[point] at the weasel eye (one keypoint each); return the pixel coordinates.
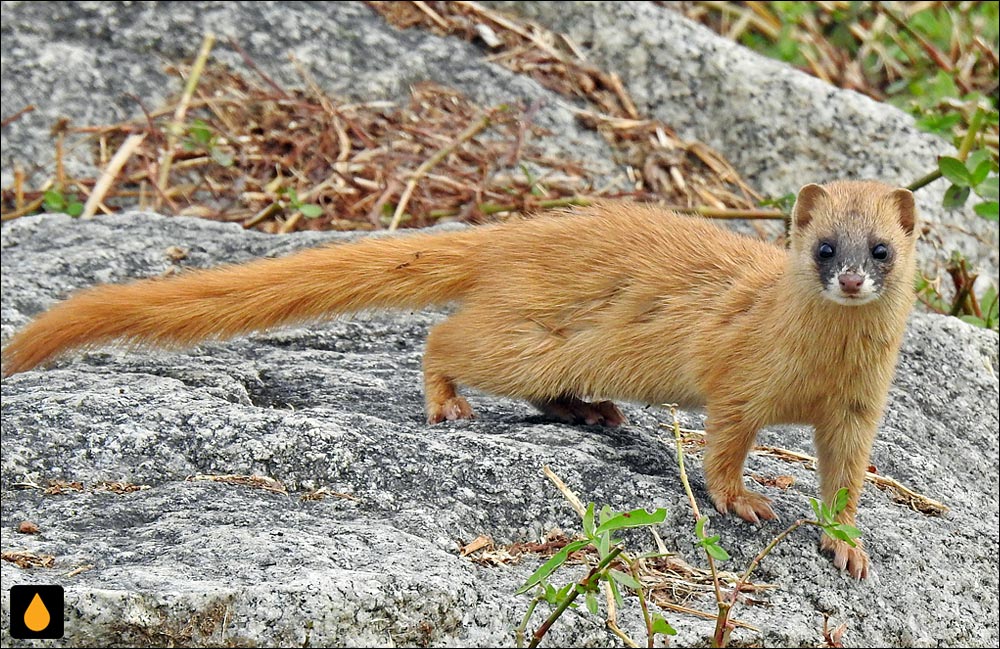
(880, 252)
(825, 251)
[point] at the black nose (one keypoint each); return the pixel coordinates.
(850, 283)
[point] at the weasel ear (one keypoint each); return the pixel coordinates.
(902, 200)
(805, 204)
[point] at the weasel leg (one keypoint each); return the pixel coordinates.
(440, 391)
(576, 411)
(843, 446)
(730, 437)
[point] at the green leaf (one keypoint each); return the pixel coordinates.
(717, 552)
(989, 188)
(549, 566)
(709, 540)
(588, 521)
(849, 530)
(550, 594)
(954, 197)
(816, 509)
(311, 211)
(200, 132)
(626, 579)
(606, 514)
(634, 518)
(826, 512)
(604, 544)
(221, 158)
(616, 593)
(989, 210)
(75, 208)
(843, 532)
(979, 173)
(840, 501)
(53, 201)
(563, 592)
(663, 627)
(940, 124)
(955, 170)
(990, 303)
(591, 600)
(699, 527)
(976, 158)
(974, 320)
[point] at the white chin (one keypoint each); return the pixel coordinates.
(849, 300)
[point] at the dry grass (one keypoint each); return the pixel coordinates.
(234, 145)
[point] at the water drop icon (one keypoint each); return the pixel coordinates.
(37, 617)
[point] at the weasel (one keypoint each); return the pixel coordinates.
(615, 301)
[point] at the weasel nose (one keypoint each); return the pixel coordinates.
(850, 283)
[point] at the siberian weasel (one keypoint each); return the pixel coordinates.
(617, 301)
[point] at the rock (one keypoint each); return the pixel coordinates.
(339, 406)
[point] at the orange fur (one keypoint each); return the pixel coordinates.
(619, 301)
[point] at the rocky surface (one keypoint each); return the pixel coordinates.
(339, 405)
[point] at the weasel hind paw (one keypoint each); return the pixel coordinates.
(853, 560)
(576, 411)
(451, 409)
(748, 505)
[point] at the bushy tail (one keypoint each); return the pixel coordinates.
(405, 272)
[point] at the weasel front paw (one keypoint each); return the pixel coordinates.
(853, 560)
(450, 409)
(748, 505)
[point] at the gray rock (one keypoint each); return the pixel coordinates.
(339, 405)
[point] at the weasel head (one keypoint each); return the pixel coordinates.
(853, 241)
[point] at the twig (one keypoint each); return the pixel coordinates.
(433, 15)
(519, 631)
(725, 213)
(7, 121)
(586, 583)
(704, 614)
(253, 66)
(109, 174)
(428, 164)
(178, 122)
(691, 499)
(567, 493)
(924, 180)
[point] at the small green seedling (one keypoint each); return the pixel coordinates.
(826, 516)
(309, 210)
(55, 201)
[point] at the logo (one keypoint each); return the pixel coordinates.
(36, 612)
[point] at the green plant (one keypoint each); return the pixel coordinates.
(826, 519)
(201, 136)
(308, 210)
(598, 530)
(980, 310)
(973, 175)
(55, 201)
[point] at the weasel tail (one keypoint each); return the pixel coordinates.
(403, 272)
